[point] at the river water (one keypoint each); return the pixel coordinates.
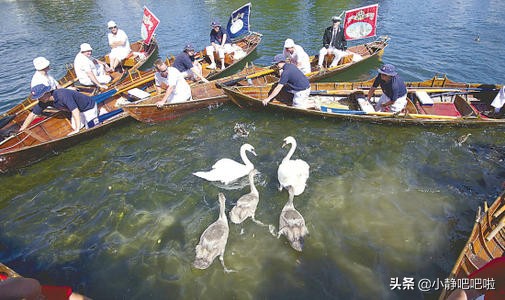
(119, 216)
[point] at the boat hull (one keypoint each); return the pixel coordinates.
(485, 243)
(205, 95)
(481, 95)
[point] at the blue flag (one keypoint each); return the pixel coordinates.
(239, 22)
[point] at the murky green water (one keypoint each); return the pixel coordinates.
(118, 217)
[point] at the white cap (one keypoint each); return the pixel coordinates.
(289, 43)
(40, 63)
(86, 47)
(111, 24)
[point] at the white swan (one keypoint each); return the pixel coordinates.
(292, 224)
(292, 172)
(213, 240)
(227, 170)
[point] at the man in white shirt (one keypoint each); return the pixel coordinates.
(119, 44)
(41, 75)
(91, 71)
(170, 80)
(297, 56)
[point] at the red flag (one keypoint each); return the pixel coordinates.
(149, 24)
(361, 22)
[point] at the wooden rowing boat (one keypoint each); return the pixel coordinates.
(205, 95)
(486, 242)
(355, 55)
(134, 78)
(248, 44)
(134, 75)
(48, 136)
(244, 42)
(454, 104)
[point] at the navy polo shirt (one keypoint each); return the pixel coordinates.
(394, 89)
(217, 37)
(183, 62)
(294, 78)
(65, 99)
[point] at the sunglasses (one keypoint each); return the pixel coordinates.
(113, 27)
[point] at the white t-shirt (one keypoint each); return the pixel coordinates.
(40, 78)
(182, 91)
(82, 65)
(299, 58)
(121, 52)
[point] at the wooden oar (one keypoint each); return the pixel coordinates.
(398, 115)
(137, 83)
(333, 92)
(416, 116)
(234, 81)
(497, 229)
(499, 212)
(109, 115)
(104, 96)
(7, 119)
(379, 91)
(425, 88)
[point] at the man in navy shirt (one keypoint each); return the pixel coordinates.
(295, 81)
(186, 64)
(82, 107)
(394, 92)
(219, 42)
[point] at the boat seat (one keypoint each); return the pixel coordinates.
(133, 58)
(328, 59)
(476, 261)
(346, 59)
(424, 98)
(36, 136)
(86, 89)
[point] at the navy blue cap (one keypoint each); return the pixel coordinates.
(39, 90)
(279, 58)
(388, 70)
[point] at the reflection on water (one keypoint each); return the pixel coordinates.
(118, 217)
(381, 202)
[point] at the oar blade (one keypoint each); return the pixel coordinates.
(104, 96)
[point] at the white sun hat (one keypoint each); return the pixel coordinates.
(40, 63)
